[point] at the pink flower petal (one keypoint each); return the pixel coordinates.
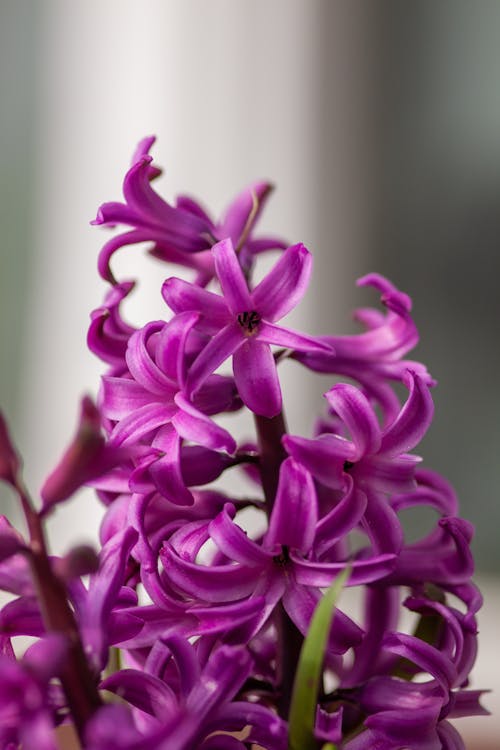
(233, 284)
(257, 378)
(285, 285)
(355, 411)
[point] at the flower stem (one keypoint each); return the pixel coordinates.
(272, 454)
(77, 680)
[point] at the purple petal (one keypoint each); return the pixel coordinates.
(140, 423)
(202, 466)
(231, 278)
(166, 472)
(234, 542)
(181, 296)
(121, 396)
(238, 214)
(344, 517)
(170, 354)
(144, 691)
(11, 540)
(103, 591)
(257, 378)
(9, 460)
(192, 425)
(141, 364)
(382, 525)
(413, 421)
(227, 669)
(357, 414)
(322, 574)
(324, 457)
(285, 337)
(387, 473)
(108, 334)
(425, 656)
(295, 511)
(285, 285)
(86, 458)
(217, 583)
(300, 603)
(213, 355)
(328, 726)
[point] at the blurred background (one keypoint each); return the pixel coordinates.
(379, 122)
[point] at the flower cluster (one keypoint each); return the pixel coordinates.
(190, 616)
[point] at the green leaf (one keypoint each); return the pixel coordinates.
(309, 671)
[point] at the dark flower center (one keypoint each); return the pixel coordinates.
(249, 321)
(348, 465)
(283, 558)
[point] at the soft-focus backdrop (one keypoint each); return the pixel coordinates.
(379, 122)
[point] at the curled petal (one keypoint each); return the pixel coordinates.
(217, 583)
(285, 285)
(357, 414)
(413, 421)
(234, 543)
(170, 350)
(344, 517)
(425, 656)
(142, 365)
(363, 571)
(193, 425)
(140, 423)
(324, 457)
(144, 691)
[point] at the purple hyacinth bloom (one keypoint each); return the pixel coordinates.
(376, 458)
(182, 233)
(242, 323)
(188, 708)
(26, 702)
(374, 357)
(148, 404)
(281, 568)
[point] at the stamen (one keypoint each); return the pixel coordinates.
(249, 321)
(283, 558)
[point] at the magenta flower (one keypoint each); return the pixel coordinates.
(242, 323)
(374, 358)
(148, 405)
(182, 233)
(281, 568)
(376, 458)
(190, 712)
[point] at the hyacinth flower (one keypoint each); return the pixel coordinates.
(278, 569)
(195, 623)
(187, 708)
(374, 358)
(182, 233)
(149, 403)
(241, 323)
